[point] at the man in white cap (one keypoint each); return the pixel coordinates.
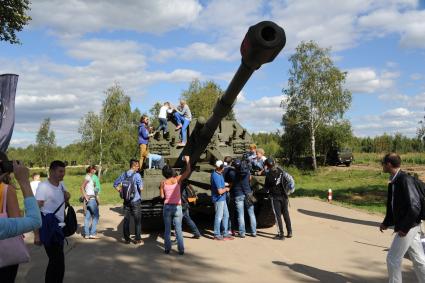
(218, 196)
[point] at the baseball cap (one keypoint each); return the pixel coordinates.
(219, 163)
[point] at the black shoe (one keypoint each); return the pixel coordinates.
(196, 236)
(167, 252)
(127, 241)
(181, 253)
(289, 235)
(278, 237)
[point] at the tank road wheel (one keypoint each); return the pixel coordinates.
(264, 214)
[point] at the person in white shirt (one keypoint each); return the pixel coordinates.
(162, 116)
(92, 213)
(35, 181)
(51, 195)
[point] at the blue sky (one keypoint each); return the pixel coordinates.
(72, 51)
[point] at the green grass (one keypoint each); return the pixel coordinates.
(414, 158)
(364, 189)
(360, 188)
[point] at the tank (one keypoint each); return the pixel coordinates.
(214, 138)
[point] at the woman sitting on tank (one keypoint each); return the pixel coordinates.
(172, 213)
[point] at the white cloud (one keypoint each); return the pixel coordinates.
(397, 120)
(77, 17)
(410, 24)
(366, 80)
(262, 115)
(66, 92)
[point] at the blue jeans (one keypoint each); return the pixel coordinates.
(162, 125)
(91, 213)
(173, 214)
(181, 120)
(240, 205)
(190, 223)
(221, 218)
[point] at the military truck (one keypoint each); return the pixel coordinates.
(338, 156)
(215, 138)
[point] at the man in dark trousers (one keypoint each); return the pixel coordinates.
(403, 208)
(279, 184)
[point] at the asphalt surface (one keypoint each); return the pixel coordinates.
(330, 244)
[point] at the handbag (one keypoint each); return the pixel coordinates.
(13, 250)
(250, 199)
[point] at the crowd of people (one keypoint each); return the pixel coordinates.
(231, 195)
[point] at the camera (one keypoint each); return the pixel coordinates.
(6, 165)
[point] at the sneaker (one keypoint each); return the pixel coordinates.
(181, 144)
(278, 237)
(86, 237)
(233, 233)
(218, 238)
(93, 237)
(228, 238)
(289, 235)
(241, 235)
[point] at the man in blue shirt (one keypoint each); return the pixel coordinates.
(134, 207)
(218, 195)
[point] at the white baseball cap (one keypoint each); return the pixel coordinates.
(219, 163)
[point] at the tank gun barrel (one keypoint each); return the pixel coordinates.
(262, 43)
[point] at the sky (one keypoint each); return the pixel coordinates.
(73, 51)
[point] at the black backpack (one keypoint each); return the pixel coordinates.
(281, 186)
(70, 218)
(70, 221)
(420, 186)
(128, 190)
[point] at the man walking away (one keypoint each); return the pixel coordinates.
(403, 208)
(130, 186)
(51, 197)
(279, 184)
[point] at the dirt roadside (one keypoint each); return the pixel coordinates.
(330, 244)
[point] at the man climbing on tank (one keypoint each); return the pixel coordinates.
(183, 117)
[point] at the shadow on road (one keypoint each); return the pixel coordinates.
(339, 218)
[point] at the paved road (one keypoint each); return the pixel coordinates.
(330, 244)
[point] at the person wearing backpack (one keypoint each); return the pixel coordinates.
(130, 185)
(241, 192)
(51, 196)
(403, 212)
(279, 185)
